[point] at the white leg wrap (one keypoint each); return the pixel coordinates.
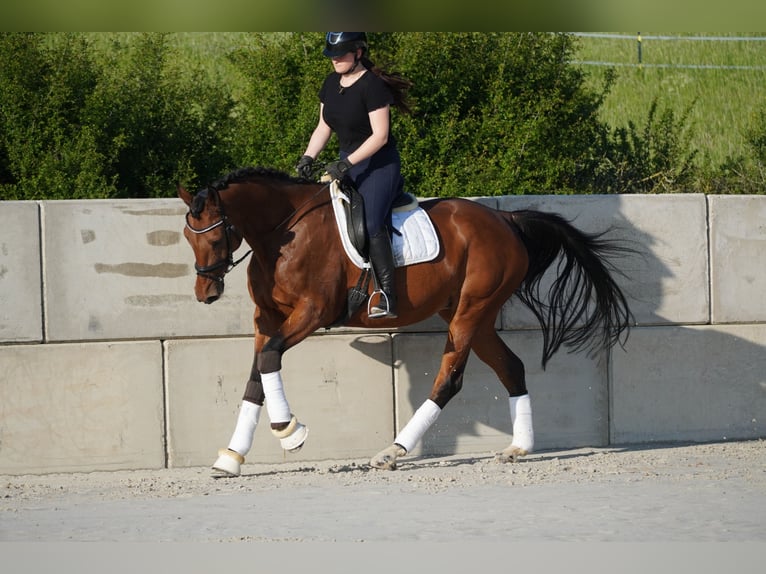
(420, 422)
(521, 417)
(276, 403)
(242, 439)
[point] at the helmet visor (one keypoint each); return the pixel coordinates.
(340, 43)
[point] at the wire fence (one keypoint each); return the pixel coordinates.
(639, 39)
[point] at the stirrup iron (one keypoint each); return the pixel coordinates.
(377, 311)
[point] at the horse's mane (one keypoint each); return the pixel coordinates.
(241, 175)
(248, 174)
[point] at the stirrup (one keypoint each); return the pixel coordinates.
(377, 311)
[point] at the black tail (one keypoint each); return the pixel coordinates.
(584, 308)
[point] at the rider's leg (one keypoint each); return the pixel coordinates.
(379, 181)
(382, 259)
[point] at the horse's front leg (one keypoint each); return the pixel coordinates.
(262, 388)
(266, 388)
(284, 425)
(230, 459)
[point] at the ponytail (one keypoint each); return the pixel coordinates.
(398, 84)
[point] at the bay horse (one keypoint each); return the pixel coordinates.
(299, 278)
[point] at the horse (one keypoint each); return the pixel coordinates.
(299, 278)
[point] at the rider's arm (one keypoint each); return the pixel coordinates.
(319, 137)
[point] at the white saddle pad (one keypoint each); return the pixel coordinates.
(417, 243)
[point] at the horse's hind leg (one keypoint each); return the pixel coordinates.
(447, 384)
(490, 348)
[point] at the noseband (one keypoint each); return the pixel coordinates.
(227, 263)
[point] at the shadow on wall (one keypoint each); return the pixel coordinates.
(677, 378)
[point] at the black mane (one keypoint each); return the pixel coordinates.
(240, 175)
(248, 174)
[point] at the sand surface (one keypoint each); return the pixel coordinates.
(652, 493)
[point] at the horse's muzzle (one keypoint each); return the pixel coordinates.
(208, 291)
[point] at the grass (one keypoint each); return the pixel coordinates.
(723, 79)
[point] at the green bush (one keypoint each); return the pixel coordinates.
(279, 105)
(78, 122)
(132, 115)
(745, 173)
(659, 157)
(497, 114)
(46, 152)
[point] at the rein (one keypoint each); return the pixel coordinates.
(297, 209)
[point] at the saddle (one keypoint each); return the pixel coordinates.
(414, 238)
(355, 220)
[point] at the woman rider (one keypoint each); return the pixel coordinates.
(355, 103)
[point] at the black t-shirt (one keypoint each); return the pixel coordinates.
(347, 110)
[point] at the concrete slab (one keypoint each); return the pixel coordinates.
(20, 278)
(122, 269)
(669, 282)
(340, 386)
(738, 258)
(697, 383)
(81, 407)
(569, 398)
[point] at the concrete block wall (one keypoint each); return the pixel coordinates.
(108, 362)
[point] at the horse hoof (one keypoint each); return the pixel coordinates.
(511, 454)
(228, 463)
(292, 437)
(386, 459)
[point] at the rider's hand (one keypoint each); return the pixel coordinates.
(305, 166)
(338, 169)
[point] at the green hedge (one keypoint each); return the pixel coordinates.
(81, 122)
(112, 115)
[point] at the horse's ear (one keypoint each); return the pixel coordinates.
(214, 197)
(184, 195)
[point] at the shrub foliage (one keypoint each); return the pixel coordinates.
(493, 114)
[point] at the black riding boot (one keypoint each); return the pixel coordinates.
(382, 259)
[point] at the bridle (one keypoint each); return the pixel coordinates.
(227, 263)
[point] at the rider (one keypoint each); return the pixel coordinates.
(355, 103)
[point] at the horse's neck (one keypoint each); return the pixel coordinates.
(262, 210)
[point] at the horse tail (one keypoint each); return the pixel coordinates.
(584, 308)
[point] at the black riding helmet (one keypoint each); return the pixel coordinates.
(339, 43)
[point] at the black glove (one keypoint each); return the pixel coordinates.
(338, 169)
(305, 167)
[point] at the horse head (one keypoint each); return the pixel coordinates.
(212, 238)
